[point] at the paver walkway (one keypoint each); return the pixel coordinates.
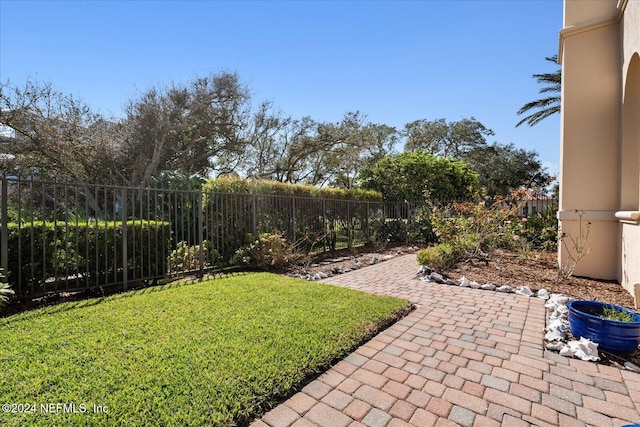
(463, 357)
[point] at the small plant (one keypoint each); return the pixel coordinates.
(186, 258)
(576, 248)
(612, 313)
(5, 290)
(269, 251)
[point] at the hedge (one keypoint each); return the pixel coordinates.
(68, 255)
(266, 187)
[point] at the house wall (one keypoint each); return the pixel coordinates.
(589, 136)
(600, 139)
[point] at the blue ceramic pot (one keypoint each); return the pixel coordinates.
(611, 335)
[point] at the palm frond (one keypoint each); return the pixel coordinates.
(549, 105)
(538, 116)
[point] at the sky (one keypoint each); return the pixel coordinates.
(394, 61)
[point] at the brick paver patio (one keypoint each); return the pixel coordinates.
(463, 357)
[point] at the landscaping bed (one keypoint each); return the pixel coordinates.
(537, 269)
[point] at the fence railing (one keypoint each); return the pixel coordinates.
(63, 237)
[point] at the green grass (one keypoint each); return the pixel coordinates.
(211, 353)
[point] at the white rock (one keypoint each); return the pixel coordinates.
(505, 288)
(555, 335)
(556, 300)
(555, 346)
(474, 285)
(584, 349)
(524, 290)
(560, 312)
(488, 287)
(543, 294)
(558, 324)
(322, 275)
(632, 367)
(464, 282)
(436, 277)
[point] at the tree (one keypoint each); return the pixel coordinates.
(353, 144)
(195, 129)
(446, 139)
(502, 168)
(417, 174)
(55, 135)
(549, 105)
(305, 151)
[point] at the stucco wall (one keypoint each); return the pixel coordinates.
(590, 134)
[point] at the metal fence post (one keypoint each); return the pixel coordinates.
(199, 212)
(253, 214)
(293, 217)
(125, 266)
(4, 255)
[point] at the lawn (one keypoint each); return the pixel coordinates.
(212, 353)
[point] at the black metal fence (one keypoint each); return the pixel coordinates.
(62, 237)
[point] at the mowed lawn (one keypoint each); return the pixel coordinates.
(212, 353)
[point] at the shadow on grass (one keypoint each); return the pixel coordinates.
(82, 299)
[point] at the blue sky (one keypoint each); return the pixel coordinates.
(395, 61)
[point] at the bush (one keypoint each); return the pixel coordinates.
(5, 290)
(445, 255)
(187, 258)
(266, 187)
(269, 251)
(478, 228)
(42, 255)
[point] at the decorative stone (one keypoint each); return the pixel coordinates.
(632, 367)
(474, 285)
(524, 290)
(450, 282)
(505, 288)
(555, 346)
(488, 287)
(373, 261)
(543, 294)
(464, 282)
(436, 277)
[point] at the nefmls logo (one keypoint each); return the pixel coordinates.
(65, 408)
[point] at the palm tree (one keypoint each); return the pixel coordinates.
(545, 106)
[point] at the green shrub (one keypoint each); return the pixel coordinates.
(445, 255)
(48, 256)
(482, 227)
(187, 258)
(266, 187)
(269, 251)
(541, 229)
(5, 290)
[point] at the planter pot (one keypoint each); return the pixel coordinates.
(611, 335)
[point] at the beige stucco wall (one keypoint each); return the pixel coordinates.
(600, 137)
